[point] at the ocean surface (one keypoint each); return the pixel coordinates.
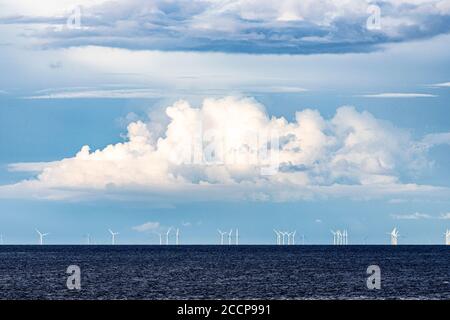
(224, 272)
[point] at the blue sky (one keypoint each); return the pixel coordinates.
(362, 116)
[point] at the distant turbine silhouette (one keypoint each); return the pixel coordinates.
(167, 235)
(283, 237)
(278, 236)
(160, 237)
(113, 236)
(394, 236)
(222, 234)
(334, 237)
(41, 236)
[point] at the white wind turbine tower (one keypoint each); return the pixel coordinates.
(230, 235)
(394, 236)
(237, 236)
(345, 237)
(283, 234)
(334, 237)
(289, 234)
(41, 236)
(160, 237)
(113, 236)
(88, 239)
(278, 236)
(339, 237)
(167, 235)
(221, 235)
(447, 237)
(177, 236)
(293, 236)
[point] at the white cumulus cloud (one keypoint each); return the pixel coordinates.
(230, 148)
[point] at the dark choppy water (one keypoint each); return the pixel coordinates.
(224, 272)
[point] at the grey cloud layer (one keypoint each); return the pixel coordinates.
(250, 26)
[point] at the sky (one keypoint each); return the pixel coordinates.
(201, 115)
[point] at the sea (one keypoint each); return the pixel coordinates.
(223, 272)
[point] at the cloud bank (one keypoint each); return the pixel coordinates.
(226, 150)
(250, 26)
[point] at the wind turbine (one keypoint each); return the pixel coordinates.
(41, 236)
(394, 236)
(178, 236)
(88, 239)
(293, 236)
(221, 235)
(345, 237)
(113, 236)
(230, 235)
(289, 234)
(365, 240)
(237, 236)
(167, 235)
(334, 236)
(447, 237)
(340, 237)
(278, 236)
(160, 237)
(283, 234)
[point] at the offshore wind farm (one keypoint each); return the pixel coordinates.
(232, 237)
(225, 149)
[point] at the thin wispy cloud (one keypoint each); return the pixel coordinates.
(146, 93)
(443, 85)
(147, 226)
(100, 94)
(434, 139)
(421, 216)
(445, 216)
(413, 216)
(399, 95)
